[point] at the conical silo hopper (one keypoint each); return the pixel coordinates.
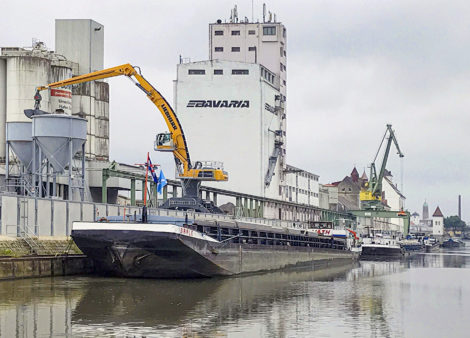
(19, 136)
(53, 134)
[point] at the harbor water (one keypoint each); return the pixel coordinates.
(427, 295)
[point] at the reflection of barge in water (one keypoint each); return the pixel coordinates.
(168, 247)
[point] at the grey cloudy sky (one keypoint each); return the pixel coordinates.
(353, 66)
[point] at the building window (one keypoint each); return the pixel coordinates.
(235, 49)
(196, 71)
(218, 71)
(219, 33)
(269, 30)
(235, 32)
(284, 32)
(240, 72)
(251, 49)
(219, 49)
(284, 82)
(251, 32)
(282, 51)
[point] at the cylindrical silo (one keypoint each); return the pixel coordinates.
(61, 98)
(25, 73)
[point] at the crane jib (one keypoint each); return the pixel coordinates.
(168, 116)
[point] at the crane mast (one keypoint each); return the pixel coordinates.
(371, 195)
(173, 141)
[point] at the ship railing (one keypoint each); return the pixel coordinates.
(276, 223)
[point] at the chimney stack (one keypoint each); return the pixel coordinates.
(460, 207)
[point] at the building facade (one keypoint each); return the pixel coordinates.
(230, 109)
(302, 187)
(438, 223)
(263, 43)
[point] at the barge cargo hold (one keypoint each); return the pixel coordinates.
(180, 249)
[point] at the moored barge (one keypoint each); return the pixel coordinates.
(169, 247)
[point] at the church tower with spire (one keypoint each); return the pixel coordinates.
(425, 210)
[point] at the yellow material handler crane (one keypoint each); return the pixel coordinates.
(173, 141)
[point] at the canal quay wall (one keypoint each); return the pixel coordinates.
(53, 257)
(44, 266)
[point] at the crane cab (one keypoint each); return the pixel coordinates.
(164, 142)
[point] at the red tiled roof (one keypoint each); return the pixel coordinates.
(437, 213)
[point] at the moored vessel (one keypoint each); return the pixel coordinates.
(380, 246)
(171, 247)
(452, 243)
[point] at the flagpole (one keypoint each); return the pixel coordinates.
(146, 175)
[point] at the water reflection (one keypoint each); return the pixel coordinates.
(373, 298)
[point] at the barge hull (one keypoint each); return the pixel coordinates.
(383, 251)
(157, 254)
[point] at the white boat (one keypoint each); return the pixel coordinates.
(380, 245)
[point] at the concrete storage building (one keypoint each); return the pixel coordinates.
(82, 41)
(79, 50)
(231, 109)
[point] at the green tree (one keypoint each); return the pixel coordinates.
(454, 222)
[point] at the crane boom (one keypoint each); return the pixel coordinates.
(180, 151)
(372, 195)
(174, 141)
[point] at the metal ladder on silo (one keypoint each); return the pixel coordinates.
(26, 233)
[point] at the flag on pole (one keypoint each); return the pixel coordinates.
(152, 170)
(161, 182)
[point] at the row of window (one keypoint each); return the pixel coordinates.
(267, 30)
(267, 75)
(218, 72)
(234, 49)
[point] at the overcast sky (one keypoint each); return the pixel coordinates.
(353, 67)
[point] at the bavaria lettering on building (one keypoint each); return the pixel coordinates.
(218, 104)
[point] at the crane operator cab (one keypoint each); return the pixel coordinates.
(164, 142)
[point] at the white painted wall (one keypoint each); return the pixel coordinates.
(269, 48)
(438, 226)
(395, 201)
(242, 138)
(303, 188)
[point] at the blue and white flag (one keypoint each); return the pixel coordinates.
(154, 175)
(161, 182)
